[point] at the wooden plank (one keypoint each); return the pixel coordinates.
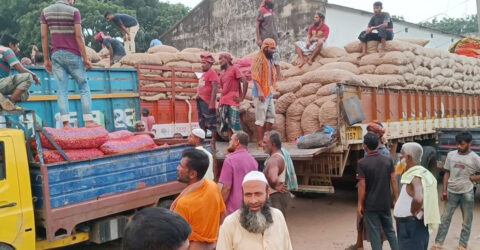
(316, 189)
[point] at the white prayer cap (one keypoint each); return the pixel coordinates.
(255, 176)
(198, 132)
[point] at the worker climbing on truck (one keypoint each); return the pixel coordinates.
(15, 86)
(128, 26)
(380, 28)
(114, 47)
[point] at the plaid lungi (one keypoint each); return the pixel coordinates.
(229, 118)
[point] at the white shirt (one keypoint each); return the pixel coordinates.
(233, 236)
(209, 174)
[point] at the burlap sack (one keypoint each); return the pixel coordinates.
(351, 58)
(160, 96)
(410, 56)
(135, 59)
(417, 61)
(326, 90)
(324, 61)
(394, 57)
(326, 76)
(308, 89)
(295, 110)
(288, 86)
(422, 71)
(409, 78)
(421, 42)
(155, 85)
(353, 47)
(309, 121)
(385, 80)
(432, 53)
(284, 102)
(341, 65)
(104, 53)
(328, 114)
(390, 69)
(193, 50)
(279, 125)
(321, 100)
(447, 72)
(426, 61)
(188, 57)
(396, 45)
(179, 64)
(367, 69)
(372, 47)
(293, 129)
(244, 106)
(293, 71)
(92, 55)
(305, 101)
(162, 48)
(435, 62)
(285, 65)
(166, 57)
(332, 52)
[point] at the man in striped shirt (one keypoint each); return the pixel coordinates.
(63, 22)
(16, 86)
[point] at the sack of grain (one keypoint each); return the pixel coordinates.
(328, 114)
(367, 69)
(341, 65)
(309, 121)
(353, 47)
(188, 57)
(130, 144)
(284, 102)
(421, 42)
(92, 55)
(279, 125)
(394, 57)
(435, 62)
(308, 89)
(294, 71)
(295, 110)
(180, 64)
(410, 56)
(104, 53)
(385, 80)
(293, 129)
(193, 50)
(390, 69)
(321, 100)
(447, 72)
(332, 52)
(326, 90)
(351, 58)
(409, 78)
(432, 53)
(160, 96)
(305, 101)
(75, 138)
(285, 65)
(372, 47)
(426, 61)
(288, 86)
(396, 45)
(134, 59)
(53, 156)
(166, 57)
(422, 71)
(417, 61)
(162, 48)
(326, 76)
(324, 61)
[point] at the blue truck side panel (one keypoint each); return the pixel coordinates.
(87, 180)
(114, 112)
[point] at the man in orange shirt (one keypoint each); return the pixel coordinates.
(201, 202)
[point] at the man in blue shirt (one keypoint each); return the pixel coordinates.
(115, 47)
(16, 86)
(129, 27)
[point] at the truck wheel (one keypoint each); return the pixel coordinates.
(163, 203)
(5, 247)
(429, 160)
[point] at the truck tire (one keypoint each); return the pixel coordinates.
(429, 160)
(5, 247)
(164, 203)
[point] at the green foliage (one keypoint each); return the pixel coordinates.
(454, 25)
(21, 18)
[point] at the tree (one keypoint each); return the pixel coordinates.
(454, 25)
(21, 18)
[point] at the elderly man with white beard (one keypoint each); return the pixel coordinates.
(256, 225)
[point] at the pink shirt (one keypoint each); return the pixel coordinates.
(149, 122)
(235, 167)
(230, 84)
(205, 86)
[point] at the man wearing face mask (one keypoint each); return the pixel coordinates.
(266, 27)
(460, 167)
(416, 210)
(255, 225)
(232, 95)
(235, 167)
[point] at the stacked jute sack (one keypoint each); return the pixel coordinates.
(167, 56)
(306, 101)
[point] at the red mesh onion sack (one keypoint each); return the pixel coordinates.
(121, 134)
(53, 156)
(76, 138)
(130, 144)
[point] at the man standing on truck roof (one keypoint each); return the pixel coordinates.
(15, 86)
(317, 36)
(264, 83)
(416, 210)
(155, 228)
(234, 168)
(114, 47)
(207, 95)
(232, 95)
(376, 175)
(380, 28)
(196, 138)
(256, 225)
(128, 26)
(63, 22)
(266, 27)
(200, 203)
(276, 171)
(460, 168)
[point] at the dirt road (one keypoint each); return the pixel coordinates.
(327, 222)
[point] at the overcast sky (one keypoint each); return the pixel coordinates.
(412, 10)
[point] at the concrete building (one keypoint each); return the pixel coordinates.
(229, 25)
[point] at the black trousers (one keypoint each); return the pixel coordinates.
(382, 33)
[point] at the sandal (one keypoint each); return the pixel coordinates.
(6, 104)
